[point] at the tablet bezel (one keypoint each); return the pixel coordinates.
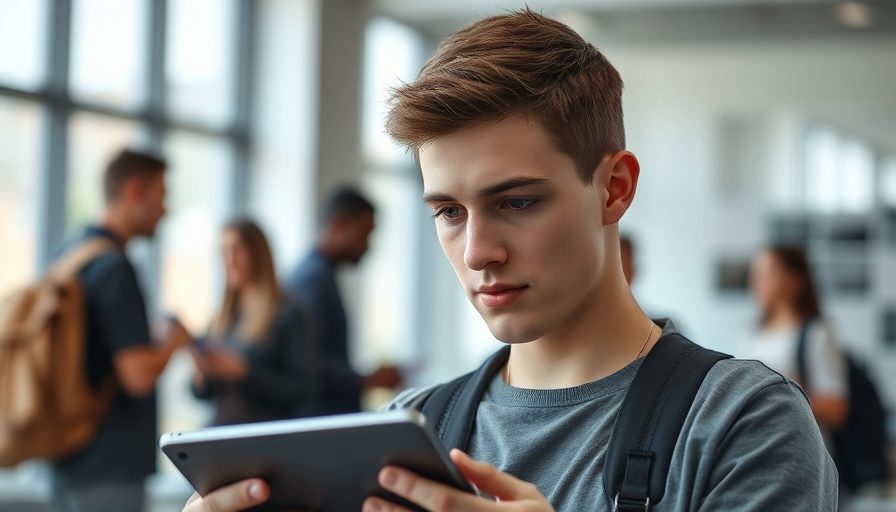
(217, 456)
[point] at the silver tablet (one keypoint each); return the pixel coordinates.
(323, 464)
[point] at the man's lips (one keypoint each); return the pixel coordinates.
(499, 295)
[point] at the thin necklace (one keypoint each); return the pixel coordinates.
(649, 333)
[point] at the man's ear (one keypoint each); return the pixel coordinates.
(621, 185)
(133, 189)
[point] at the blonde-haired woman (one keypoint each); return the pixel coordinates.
(258, 362)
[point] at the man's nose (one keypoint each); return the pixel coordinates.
(484, 245)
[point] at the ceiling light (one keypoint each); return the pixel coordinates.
(853, 14)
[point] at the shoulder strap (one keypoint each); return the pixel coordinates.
(802, 370)
(455, 403)
(650, 420)
(82, 254)
(646, 430)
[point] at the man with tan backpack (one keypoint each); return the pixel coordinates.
(78, 364)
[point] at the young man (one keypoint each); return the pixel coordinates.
(517, 125)
(344, 240)
(108, 474)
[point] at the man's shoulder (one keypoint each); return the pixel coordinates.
(743, 374)
(735, 387)
(311, 268)
(105, 267)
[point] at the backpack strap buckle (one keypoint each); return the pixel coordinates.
(629, 504)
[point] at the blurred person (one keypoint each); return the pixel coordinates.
(109, 473)
(516, 123)
(783, 288)
(258, 362)
(344, 239)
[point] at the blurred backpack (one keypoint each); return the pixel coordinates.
(860, 445)
(48, 407)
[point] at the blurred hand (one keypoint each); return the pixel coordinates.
(221, 364)
(384, 377)
(169, 331)
(512, 493)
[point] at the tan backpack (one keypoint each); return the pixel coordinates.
(48, 409)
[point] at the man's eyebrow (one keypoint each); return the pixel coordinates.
(512, 183)
(497, 188)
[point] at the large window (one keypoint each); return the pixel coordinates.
(222, 88)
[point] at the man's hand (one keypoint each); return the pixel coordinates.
(221, 364)
(512, 493)
(387, 377)
(235, 497)
(168, 331)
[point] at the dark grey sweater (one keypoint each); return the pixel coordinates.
(749, 442)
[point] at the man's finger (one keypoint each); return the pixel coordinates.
(489, 479)
(426, 493)
(235, 497)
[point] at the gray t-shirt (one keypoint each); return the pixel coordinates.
(749, 442)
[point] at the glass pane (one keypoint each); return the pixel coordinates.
(20, 124)
(282, 190)
(388, 270)
(109, 51)
(200, 60)
(857, 177)
(888, 182)
(197, 207)
(23, 38)
(822, 176)
(191, 272)
(392, 55)
(93, 141)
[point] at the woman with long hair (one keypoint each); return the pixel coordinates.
(782, 285)
(258, 362)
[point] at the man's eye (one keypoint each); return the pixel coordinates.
(448, 212)
(520, 204)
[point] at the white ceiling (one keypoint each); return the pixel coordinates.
(658, 20)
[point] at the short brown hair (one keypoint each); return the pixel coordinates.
(518, 64)
(127, 164)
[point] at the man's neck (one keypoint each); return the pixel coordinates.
(330, 252)
(604, 338)
(112, 223)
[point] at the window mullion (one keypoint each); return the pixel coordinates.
(53, 179)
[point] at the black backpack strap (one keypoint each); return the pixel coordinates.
(455, 403)
(802, 371)
(650, 420)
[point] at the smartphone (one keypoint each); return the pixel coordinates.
(322, 464)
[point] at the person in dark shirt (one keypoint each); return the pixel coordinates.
(259, 361)
(344, 240)
(108, 474)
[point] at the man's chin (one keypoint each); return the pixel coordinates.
(506, 332)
